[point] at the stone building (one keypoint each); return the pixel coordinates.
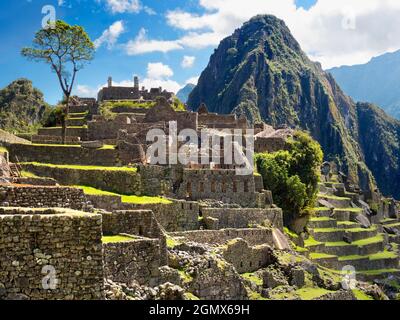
(111, 92)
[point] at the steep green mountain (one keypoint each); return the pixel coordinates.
(183, 94)
(376, 81)
(21, 106)
(260, 71)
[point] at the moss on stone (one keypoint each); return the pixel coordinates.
(311, 293)
(190, 296)
(253, 278)
(360, 295)
(117, 238)
(80, 167)
(317, 256)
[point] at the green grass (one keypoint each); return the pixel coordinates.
(359, 243)
(310, 242)
(393, 225)
(124, 198)
(71, 127)
(27, 174)
(349, 209)
(346, 223)
(253, 278)
(378, 272)
(321, 219)
(190, 296)
(355, 230)
(376, 256)
(56, 145)
(116, 239)
(185, 277)
(172, 242)
(326, 196)
(320, 209)
(78, 167)
(315, 256)
(311, 293)
(3, 149)
(360, 295)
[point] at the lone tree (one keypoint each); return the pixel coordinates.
(67, 49)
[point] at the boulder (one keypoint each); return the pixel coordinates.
(273, 277)
(363, 221)
(92, 144)
(297, 277)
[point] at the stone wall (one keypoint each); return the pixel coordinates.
(46, 139)
(252, 236)
(63, 155)
(33, 242)
(81, 132)
(223, 185)
(246, 258)
(43, 197)
(270, 144)
(241, 218)
(137, 260)
(122, 182)
(136, 222)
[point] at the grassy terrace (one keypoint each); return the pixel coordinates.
(116, 239)
(79, 167)
(105, 147)
(326, 230)
(327, 196)
(349, 209)
(359, 243)
(124, 198)
(315, 255)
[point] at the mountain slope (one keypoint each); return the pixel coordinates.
(376, 81)
(21, 106)
(260, 71)
(183, 94)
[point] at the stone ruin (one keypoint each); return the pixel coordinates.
(218, 235)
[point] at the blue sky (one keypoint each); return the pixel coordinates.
(169, 42)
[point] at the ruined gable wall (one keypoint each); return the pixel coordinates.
(68, 241)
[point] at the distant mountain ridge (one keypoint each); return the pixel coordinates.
(377, 81)
(261, 72)
(183, 94)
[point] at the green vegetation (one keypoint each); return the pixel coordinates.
(125, 198)
(360, 295)
(3, 149)
(79, 167)
(359, 243)
(316, 256)
(379, 272)
(66, 49)
(118, 238)
(354, 210)
(190, 296)
(331, 197)
(172, 242)
(22, 107)
(27, 174)
(311, 293)
(293, 175)
(253, 278)
(310, 242)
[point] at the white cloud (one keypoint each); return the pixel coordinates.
(192, 80)
(110, 35)
(121, 6)
(332, 32)
(86, 91)
(188, 62)
(60, 2)
(158, 71)
(141, 45)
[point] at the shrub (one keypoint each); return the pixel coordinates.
(293, 175)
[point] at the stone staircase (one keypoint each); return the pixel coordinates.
(341, 235)
(77, 119)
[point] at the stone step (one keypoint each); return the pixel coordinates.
(389, 221)
(344, 249)
(347, 225)
(322, 222)
(337, 235)
(346, 214)
(322, 212)
(76, 122)
(371, 275)
(337, 202)
(359, 263)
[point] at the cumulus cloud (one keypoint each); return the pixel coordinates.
(192, 80)
(86, 91)
(158, 71)
(110, 35)
(141, 44)
(121, 6)
(332, 32)
(188, 62)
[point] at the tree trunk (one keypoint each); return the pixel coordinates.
(64, 120)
